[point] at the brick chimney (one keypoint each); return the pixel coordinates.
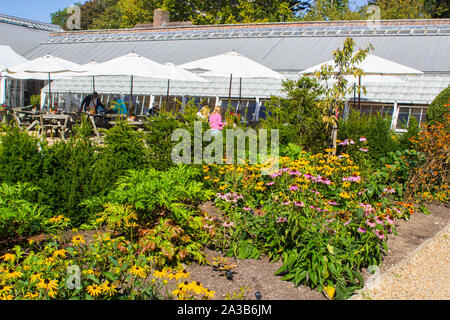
(160, 18)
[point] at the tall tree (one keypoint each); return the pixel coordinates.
(332, 10)
(402, 9)
(345, 63)
(438, 8)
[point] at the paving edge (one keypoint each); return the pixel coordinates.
(375, 280)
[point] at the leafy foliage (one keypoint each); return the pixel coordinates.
(439, 107)
(375, 128)
(20, 157)
(298, 116)
(319, 213)
(163, 204)
(20, 215)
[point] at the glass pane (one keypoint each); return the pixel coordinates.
(365, 109)
(415, 112)
(402, 121)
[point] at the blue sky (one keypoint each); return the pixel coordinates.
(40, 10)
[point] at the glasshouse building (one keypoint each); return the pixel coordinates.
(288, 48)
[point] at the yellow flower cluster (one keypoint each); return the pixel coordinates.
(187, 290)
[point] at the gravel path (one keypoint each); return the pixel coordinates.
(423, 275)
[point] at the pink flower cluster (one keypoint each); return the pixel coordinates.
(281, 220)
(318, 209)
(379, 233)
(299, 204)
(317, 179)
(367, 208)
(347, 142)
(389, 190)
(352, 179)
(231, 197)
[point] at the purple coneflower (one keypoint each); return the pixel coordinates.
(293, 188)
(299, 204)
(227, 225)
(371, 222)
(362, 230)
(380, 234)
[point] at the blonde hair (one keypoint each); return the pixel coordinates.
(204, 111)
(217, 109)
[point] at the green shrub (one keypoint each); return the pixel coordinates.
(406, 138)
(375, 128)
(158, 138)
(19, 216)
(439, 107)
(164, 204)
(66, 177)
(298, 116)
(20, 157)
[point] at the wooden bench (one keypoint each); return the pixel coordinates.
(57, 122)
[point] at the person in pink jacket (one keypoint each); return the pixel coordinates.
(215, 120)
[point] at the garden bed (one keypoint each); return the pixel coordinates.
(258, 275)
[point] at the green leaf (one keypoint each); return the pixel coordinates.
(292, 259)
(109, 276)
(313, 276)
(330, 249)
(113, 261)
(299, 276)
(93, 278)
(288, 277)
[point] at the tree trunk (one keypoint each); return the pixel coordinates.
(334, 138)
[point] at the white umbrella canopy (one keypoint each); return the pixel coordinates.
(8, 58)
(375, 69)
(232, 64)
(130, 64)
(372, 65)
(48, 64)
(182, 74)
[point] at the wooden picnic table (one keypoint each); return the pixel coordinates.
(26, 118)
(60, 123)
